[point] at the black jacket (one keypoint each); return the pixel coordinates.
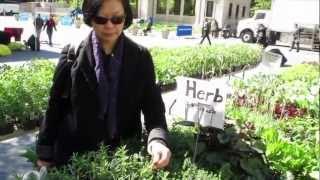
(71, 125)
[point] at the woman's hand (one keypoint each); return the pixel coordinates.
(160, 153)
(41, 163)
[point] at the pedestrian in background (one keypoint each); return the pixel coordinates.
(50, 25)
(206, 31)
(149, 25)
(262, 35)
(38, 24)
(215, 28)
(296, 37)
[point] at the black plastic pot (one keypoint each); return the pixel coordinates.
(6, 129)
(28, 124)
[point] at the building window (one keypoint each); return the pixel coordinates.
(243, 11)
(189, 7)
(237, 11)
(161, 6)
(174, 7)
(230, 10)
(209, 11)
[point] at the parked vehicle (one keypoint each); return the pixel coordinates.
(280, 21)
(247, 27)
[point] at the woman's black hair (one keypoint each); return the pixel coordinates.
(90, 9)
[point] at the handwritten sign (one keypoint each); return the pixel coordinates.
(203, 101)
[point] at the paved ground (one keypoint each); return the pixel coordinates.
(10, 160)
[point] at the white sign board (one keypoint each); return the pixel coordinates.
(203, 101)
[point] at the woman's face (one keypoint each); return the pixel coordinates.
(109, 31)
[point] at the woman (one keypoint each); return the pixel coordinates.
(112, 81)
(50, 25)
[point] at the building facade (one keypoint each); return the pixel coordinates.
(193, 12)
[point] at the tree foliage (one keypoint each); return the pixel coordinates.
(260, 4)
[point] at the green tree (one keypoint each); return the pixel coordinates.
(73, 3)
(76, 3)
(260, 4)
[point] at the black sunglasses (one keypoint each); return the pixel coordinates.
(113, 19)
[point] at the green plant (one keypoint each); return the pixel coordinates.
(261, 4)
(291, 144)
(204, 61)
(24, 91)
(160, 26)
(289, 156)
(4, 50)
(15, 46)
(30, 155)
(286, 95)
(75, 3)
(167, 28)
(304, 72)
(300, 130)
(229, 156)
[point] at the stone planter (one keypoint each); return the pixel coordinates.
(134, 31)
(165, 34)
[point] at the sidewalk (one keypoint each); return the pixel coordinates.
(46, 52)
(11, 161)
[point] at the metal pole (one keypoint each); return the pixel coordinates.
(35, 28)
(152, 14)
(77, 3)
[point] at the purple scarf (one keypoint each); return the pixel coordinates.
(108, 89)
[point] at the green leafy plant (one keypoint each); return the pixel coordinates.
(204, 61)
(4, 50)
(160, 26)
(286, 95)
(15, 46)
(227, 156)
(291, 144)
(289, 156)
(24, 91)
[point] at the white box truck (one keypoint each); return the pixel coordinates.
(280, 21)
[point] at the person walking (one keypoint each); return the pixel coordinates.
(296, 37)
(50, 25)
(262, 35)
(110, 83)
(149, 25)
(206, 31)
(38, 24)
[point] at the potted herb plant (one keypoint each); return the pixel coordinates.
(165, 31)
(134, 29)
